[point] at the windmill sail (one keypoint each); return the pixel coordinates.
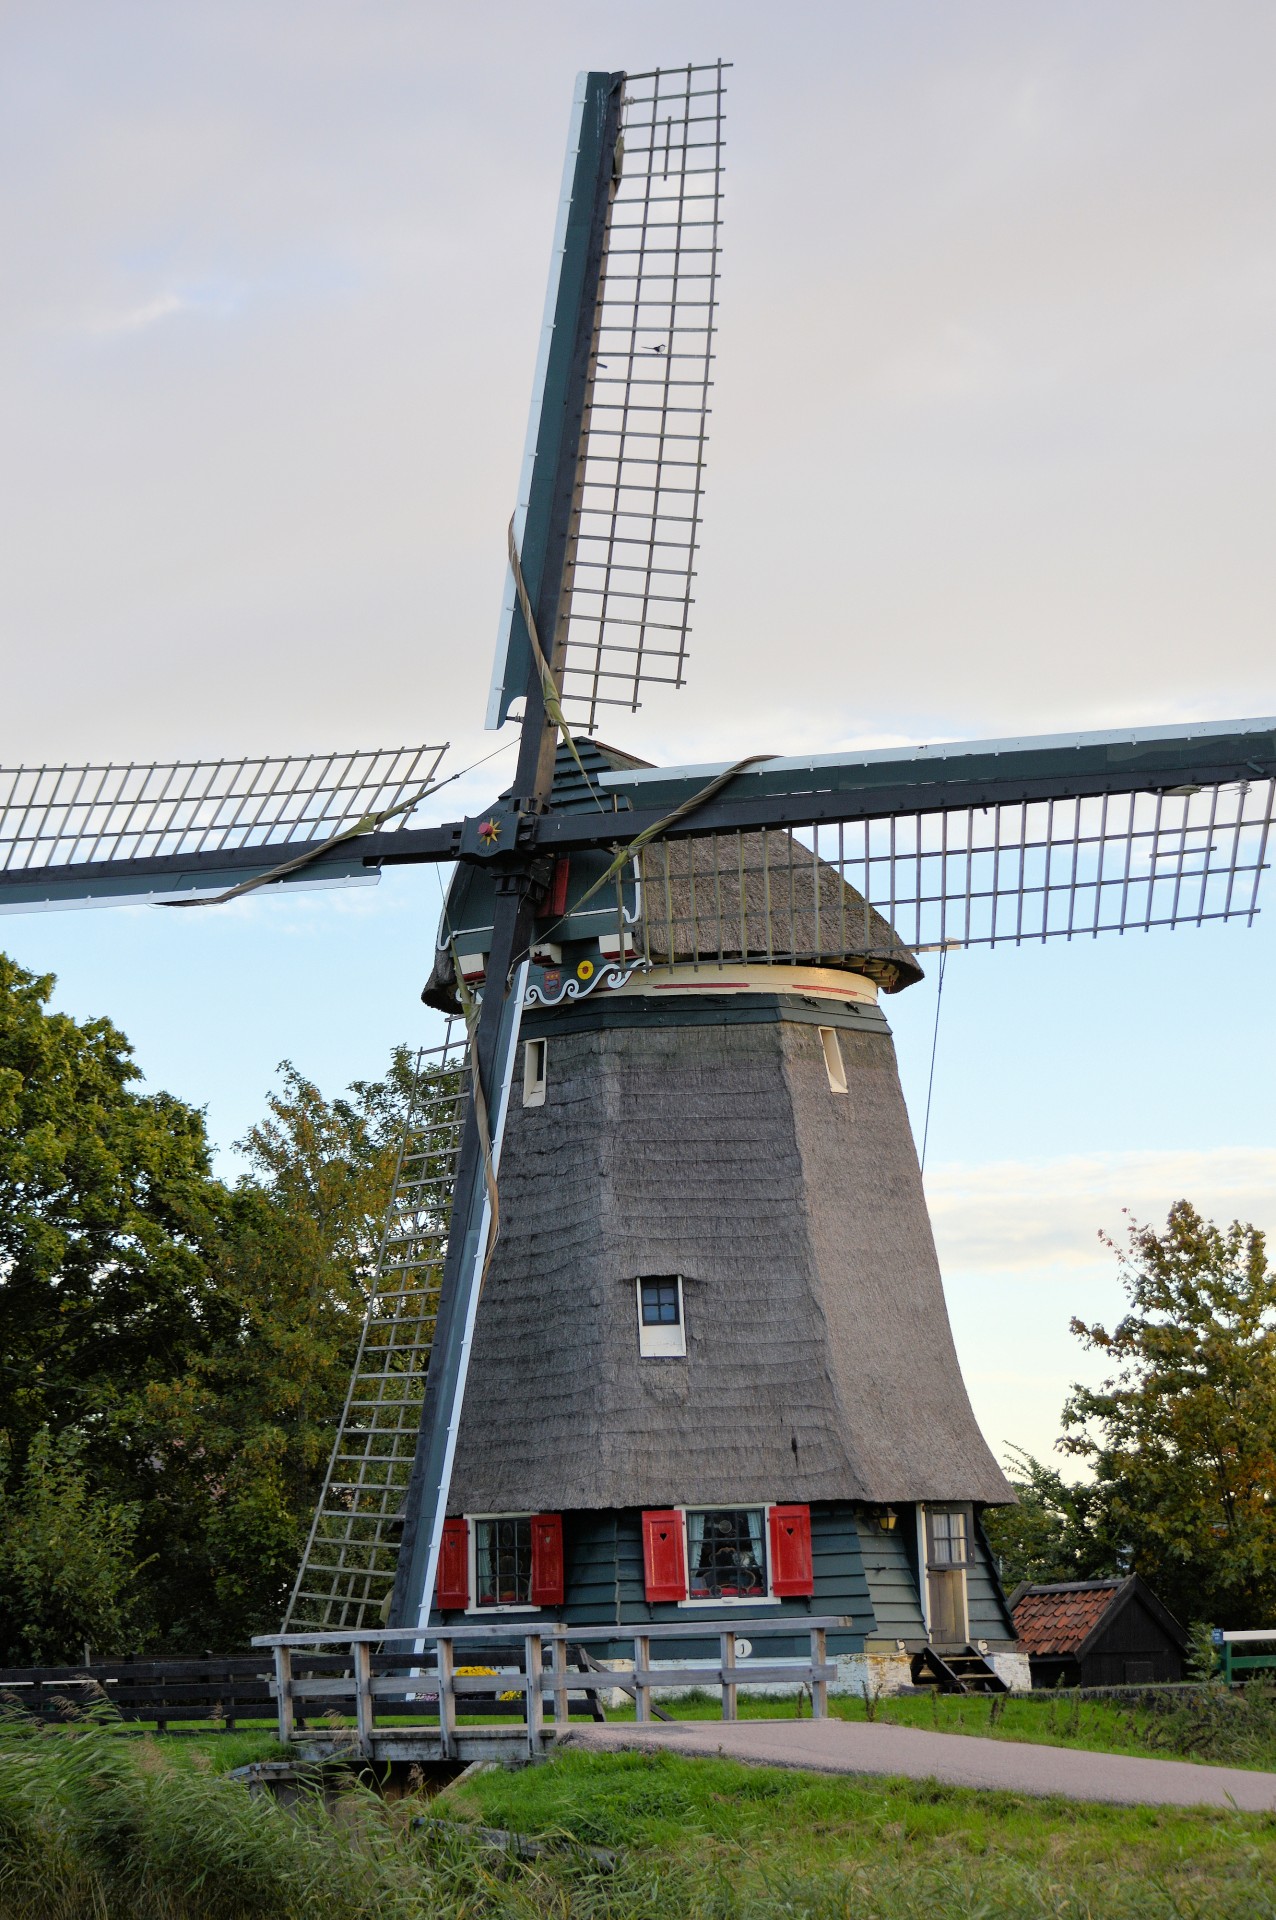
(1015, 872)
(348, 1568)
(629, 575)
(157, 831)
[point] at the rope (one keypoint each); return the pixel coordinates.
(549, 686)
(366, 825)
(651, 833)
(934, 1048)
(647, 835)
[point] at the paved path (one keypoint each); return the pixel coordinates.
(956, 1759)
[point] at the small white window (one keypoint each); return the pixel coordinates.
(834, 1065)
(662, 1333)
(534, 1054)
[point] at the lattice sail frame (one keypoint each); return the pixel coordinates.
(1015, 872)
(646, 425)
(59, 816)
(348, 1569)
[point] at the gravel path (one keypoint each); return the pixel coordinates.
(956, 1759)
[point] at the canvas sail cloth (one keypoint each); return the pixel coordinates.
(698, 1135)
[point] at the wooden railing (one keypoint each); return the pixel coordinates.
(1237, 1662)
(397, 1671)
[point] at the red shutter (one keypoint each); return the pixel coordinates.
(663, 1554)
(791, 1568)
(556, 904)
(453, 1584)
(547, 1560)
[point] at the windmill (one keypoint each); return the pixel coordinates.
(656, 1320)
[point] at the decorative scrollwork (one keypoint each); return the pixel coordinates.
(607, 976)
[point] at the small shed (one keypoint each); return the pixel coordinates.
(1097, 1633)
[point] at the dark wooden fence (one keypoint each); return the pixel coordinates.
(217, 1694)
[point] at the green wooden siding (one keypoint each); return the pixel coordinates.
(988, 1613)
(890, 1567)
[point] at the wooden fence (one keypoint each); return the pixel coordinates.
(384, 1678)
(1236, 1662)
(218, 1694)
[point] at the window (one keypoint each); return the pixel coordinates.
(834, 1065)
(662, 1333)
(503, 1563)
(947, 1539)
(534, 1060)
(726, 1557)
(502, 1560)
(721, 1555)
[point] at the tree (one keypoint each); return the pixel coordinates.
(1182, 1437)
(235, 1445)
(107, 1211)
(190, 1342)
(68, 1571)
(1057, 1531)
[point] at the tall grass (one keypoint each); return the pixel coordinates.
(94, 1826)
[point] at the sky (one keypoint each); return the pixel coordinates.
(992, 451)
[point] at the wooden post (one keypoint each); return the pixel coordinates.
(363, 1694)
(562, 1711)
(642, 1688)
(283, 1693)
(728, 1686)
(447, 1697)
(819, 1688)
(535, 1676)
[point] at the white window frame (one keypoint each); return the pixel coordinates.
(472, 1605)
(661, 1342)
(535, 1072)
(834, 1064)
(768, 1599)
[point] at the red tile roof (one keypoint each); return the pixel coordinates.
(1055, 1620)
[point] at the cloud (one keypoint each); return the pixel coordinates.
(1041, 1218)
(219, 296)
(151, 313)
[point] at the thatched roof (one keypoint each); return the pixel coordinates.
(820, 1363)
(764, 897)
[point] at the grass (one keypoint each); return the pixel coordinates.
(774, 1842)
(92, 1826)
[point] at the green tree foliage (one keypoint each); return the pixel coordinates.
(189, 1341)
(107, 1211)
(236, 1443)
(1181, 1438)
(68, 1566)
(1055, 1533)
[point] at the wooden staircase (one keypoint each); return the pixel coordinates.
(964, 1672)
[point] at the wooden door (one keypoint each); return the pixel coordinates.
(947, 1592)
